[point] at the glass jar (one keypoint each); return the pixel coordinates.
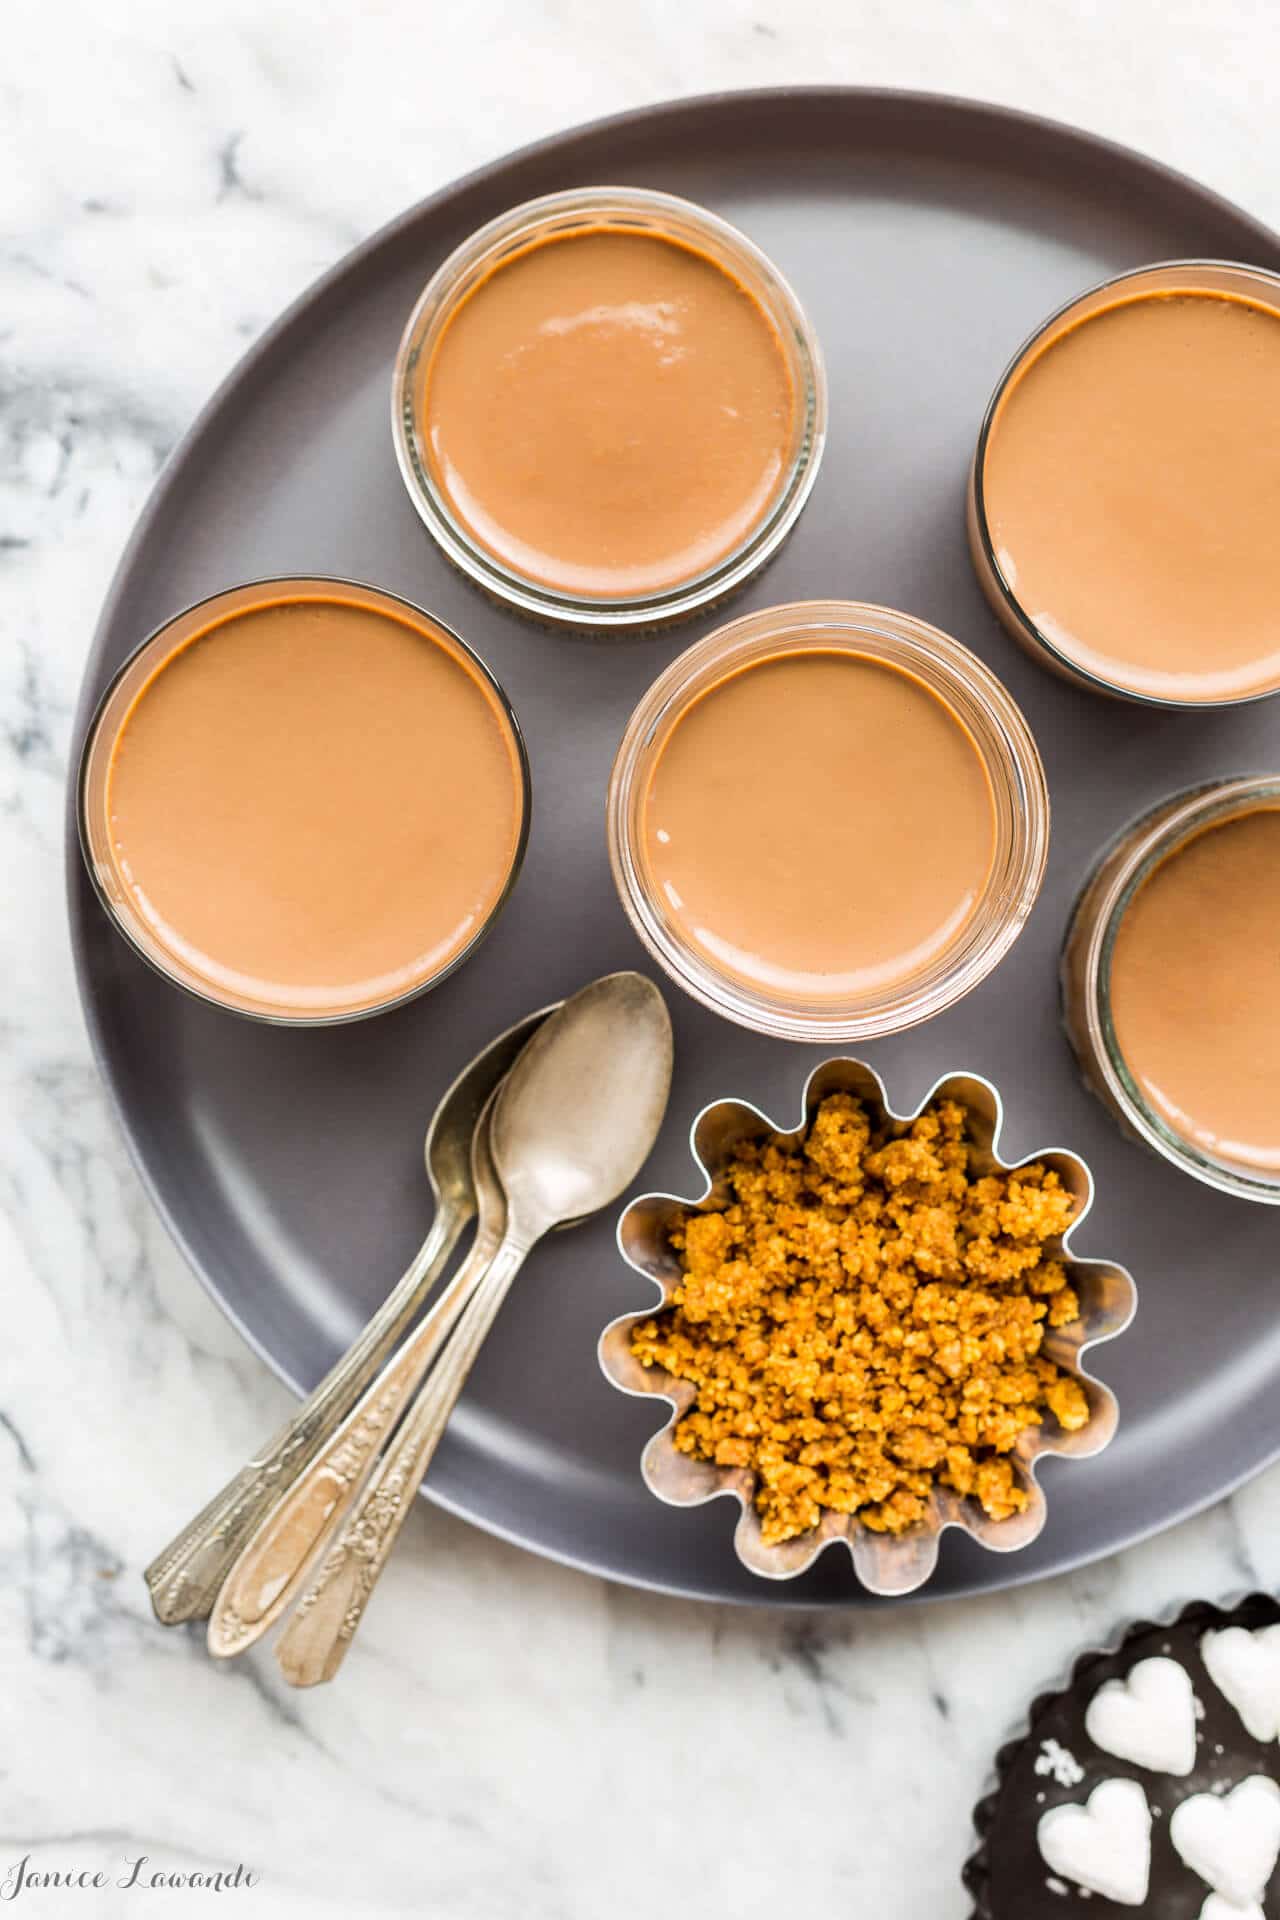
(1120, 871)
(1005, 747)
(128, 686)
(633, 211)
(1254, 286)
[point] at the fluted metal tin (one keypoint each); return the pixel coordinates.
(885, 1564)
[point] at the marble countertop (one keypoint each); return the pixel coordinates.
(513, 1741)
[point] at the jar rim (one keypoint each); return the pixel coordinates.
(1029, 629)
(979, 702)
(634, 209)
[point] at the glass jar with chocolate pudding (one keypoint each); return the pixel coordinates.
(1171, 983)
(827, 821)
(304, 800)
(1125, 493)
(608, 407)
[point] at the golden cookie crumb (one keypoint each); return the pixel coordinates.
(863, 1321)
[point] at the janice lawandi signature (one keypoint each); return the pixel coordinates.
(138, 1872)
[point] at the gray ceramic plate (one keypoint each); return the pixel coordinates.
(926, 237)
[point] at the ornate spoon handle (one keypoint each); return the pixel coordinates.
(185, 1578)
(315, 1641)
(305, 1515)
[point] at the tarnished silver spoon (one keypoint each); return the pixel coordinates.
(571, 1127)
(267, 1576)
(185, 1579)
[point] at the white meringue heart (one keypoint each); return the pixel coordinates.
(1216, 1908)
(1149, 1717)
(1231, 1840)
(1104, 1845)
(1245, 1668)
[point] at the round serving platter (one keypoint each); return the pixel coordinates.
(926, 237)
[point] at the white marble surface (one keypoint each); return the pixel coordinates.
(510, 1739)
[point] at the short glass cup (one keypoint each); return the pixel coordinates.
(1004, 743)
(95, 767)
(630, 210)
(1120, 871)
(1169, 276)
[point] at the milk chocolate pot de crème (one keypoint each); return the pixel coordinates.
(609, 413)
(314, 804)
(1131, 489)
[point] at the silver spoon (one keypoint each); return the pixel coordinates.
(314, 1504)
(571, 1127)
(265, 1577)
(185, 1578)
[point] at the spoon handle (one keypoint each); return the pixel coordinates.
(317, 1637)
(184, 1579)
(307, 1512)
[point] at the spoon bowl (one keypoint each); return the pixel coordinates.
(446, 1150)
(577, 1116)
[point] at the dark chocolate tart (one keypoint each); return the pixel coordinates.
(1007, 1876)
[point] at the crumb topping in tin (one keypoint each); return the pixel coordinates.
(863, 1320)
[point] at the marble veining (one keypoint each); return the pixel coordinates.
(508, 1736)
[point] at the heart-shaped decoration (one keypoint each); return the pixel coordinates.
(1245, 1668)
(1104, 1845)
(1149, 1717)
(1231, 1840)
(1216, 1908)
